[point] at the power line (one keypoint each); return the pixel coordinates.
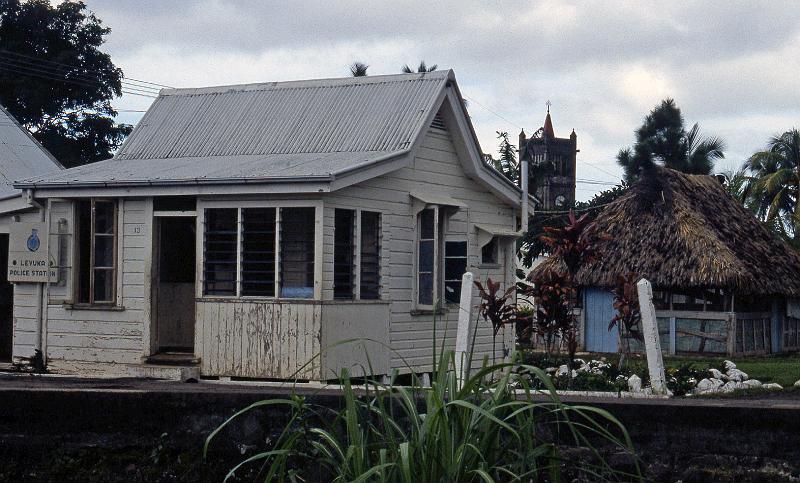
(49, 76)
(493, 112)
(74, 66)
(21, 64)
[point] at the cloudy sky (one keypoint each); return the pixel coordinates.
(734, 67)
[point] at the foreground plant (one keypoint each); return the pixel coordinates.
(482, 430)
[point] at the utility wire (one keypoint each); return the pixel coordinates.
(41, 74)
(74, 66)
(493, 112)
(21, 64)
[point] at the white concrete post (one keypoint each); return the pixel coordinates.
(652, 343)
(463, 332)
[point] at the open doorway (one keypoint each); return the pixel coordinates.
(6, 304)
(174, 283)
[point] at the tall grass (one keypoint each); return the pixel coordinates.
(488, 427)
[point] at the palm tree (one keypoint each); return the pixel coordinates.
(663, 139)
(776, 171)
(359, 69)
(422, 68)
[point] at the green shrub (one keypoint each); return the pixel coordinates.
(490, 428)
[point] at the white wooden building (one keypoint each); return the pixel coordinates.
(251, 226)
(21, 156)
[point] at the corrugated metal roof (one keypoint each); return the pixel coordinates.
(20, 155)
(260, 131)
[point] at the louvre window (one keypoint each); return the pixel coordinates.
(258, 252)
(97, 254)
(455, 264)
(344, 254)
(370, 255)
(219, 258)
(297, 252)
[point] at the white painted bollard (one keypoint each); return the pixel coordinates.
(652, 343)
(464, 330)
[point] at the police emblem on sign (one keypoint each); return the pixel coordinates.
(33, 240)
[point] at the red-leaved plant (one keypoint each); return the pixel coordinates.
(628, 318)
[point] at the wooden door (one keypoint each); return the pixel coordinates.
(599, 307)
(174, 287)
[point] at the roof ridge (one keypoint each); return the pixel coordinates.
(438, 75)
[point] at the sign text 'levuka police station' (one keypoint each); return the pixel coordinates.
(27, 253)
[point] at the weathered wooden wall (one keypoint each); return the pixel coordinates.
(91, 335)
(437, 170)
(343, 321)
(259, 339)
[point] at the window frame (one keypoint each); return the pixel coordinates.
(357, 249)
(437, 275)
(114, 269)
(445, 257)
(203, 205)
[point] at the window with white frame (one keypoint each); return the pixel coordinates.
(96, 243)
(428, 272)
(356, 259)
(455, 264)
(259, 252)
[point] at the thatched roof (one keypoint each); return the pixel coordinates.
(685, 231)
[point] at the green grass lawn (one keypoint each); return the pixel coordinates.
(784, 370)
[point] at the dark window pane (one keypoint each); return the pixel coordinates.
(489, 252)
(426, 288)
(297, 252)
(84, 246)
(455, 264)
(103, 285)
(258, 252)
(452, 292)
(426, 249)
(104, 217)
(343, 251)
(370, 255)
(426, 224)
(219, 260)
(104, 251)
(174, 203)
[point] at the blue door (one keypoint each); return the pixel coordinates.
(599, 307)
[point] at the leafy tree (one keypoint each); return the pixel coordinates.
(663, 139)
(776, 183)
(420, 68)
(358, 69)
(531, 244)
(507, 163)
(55, 80)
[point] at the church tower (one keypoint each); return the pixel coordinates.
(552, 165)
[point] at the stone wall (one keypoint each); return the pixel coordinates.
(149, 431)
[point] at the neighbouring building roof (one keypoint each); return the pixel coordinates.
(298, 130)
(685, 231)
(21, 156)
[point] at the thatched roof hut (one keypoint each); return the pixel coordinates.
(684, 231)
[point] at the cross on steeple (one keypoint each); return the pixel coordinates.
(548, 104)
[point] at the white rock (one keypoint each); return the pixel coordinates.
(705, 386)
(584, 368)
(551, 370)
(718, 383)
(772, 386)
(729, 365)
(562, 370)
(574, 374)
(728, 387)
(751, 384)
(737, 375)
(635, 383)
(716, 374)
(797, 384)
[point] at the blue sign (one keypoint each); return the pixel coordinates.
(33, 240)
